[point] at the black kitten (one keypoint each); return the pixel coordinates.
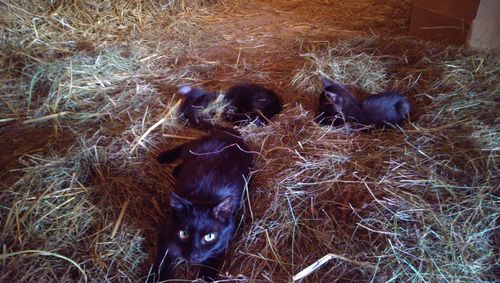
(244, 103)
(194, 104)
(250, 102)
(388, 107)
(338, 105)
(209, 186)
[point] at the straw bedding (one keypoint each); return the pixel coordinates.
(88, 100)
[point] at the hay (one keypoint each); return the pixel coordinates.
(88, 101)
(344, 63)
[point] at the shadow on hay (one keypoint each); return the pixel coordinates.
(130, 201)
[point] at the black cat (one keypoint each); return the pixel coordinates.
(338, 105)
(244, 103)
(249, 102)
(386, 108)
(209, 185)
(195, 101)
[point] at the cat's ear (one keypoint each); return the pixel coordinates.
(170, 156)
(327, 82)
(184, 89)
(223, 209)
(178, 203)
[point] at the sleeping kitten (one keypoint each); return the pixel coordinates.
(388, 107)
(338, 105)
(195, 101)
(244, 103)
(209, 185)
(249, 102)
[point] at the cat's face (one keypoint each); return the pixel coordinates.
(201, 231)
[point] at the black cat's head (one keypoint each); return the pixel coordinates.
(195, 101)
(201, 230)
(338, 104)
(338, 95)
(196, 96)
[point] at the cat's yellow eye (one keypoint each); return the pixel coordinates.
(183, 235)
(209, 237)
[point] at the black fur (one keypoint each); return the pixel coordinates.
(209, 185)
(387, 107)
(337, 105)
(251, 102)
(245, 103)
(195, 101)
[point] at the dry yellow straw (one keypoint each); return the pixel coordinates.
(120, 218)
(156, 125)
(313, 267)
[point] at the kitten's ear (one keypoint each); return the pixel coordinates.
(185, 89)
(327, 82)
(178, 203)
(223, 209)
(170, 156)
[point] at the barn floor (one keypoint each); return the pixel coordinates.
(88, 100)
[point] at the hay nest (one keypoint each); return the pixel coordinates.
(88, 100)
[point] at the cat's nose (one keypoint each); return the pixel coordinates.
(195, 258)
